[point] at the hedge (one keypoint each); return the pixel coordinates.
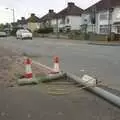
(45, 30)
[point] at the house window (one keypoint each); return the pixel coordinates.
(110, 16)
(118, 15)
(103, 16)
(68, 20)
(104, 29)
(62, 21)
(118, 29)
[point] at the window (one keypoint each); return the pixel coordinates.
(103, 16)
(68, 20)
(62, 21)
(118, 29)
(118, 15)
(110, 15)
(104, 29)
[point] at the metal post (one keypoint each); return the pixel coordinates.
(57, 32)
(13, 15)
(109, 24)
(97, 90)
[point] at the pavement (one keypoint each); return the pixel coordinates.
(105, 43)
(37, 103)
(77, 57)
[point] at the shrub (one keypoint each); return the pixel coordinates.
(45, 30)
(13, 32)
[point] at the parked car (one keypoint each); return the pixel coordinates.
(3, 34)
(23, 34)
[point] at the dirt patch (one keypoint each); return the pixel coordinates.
(11, 66)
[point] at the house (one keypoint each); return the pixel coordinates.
(103, 17)
(47, 20)
(33, 22)
(69, 18)
(22, 23)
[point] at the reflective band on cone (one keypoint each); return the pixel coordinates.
(28, 69)
(56, 68)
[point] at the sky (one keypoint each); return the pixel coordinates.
(39, 7)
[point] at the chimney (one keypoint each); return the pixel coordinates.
(32, 14)
(51, 11)
(71, 4)
(22, 18)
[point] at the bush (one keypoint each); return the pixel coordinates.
(45, 30)
(98, 37)
(113, 37)
(13, 32)
(78, 35)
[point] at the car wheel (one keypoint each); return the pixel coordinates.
(30, 38)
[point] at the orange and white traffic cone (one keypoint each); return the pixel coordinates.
(28, 70)
(56, 68)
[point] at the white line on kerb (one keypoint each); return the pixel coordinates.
(45, 66)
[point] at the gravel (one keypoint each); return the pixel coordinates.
(11, 65)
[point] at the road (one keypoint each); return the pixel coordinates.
(76, 57)
(35, 103)
(43, 102)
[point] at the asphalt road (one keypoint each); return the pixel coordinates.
(36, 103)
(76, 57)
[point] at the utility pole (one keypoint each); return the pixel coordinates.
(57, 29)
(109, 23)
(13, 12)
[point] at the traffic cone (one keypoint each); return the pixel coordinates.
(28, 70)
(56, 68)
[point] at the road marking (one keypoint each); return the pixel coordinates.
(44, 66)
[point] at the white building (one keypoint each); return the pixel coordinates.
(48, 20)
(69, 18)
(106, 17)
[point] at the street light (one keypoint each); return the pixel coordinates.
(12, 9)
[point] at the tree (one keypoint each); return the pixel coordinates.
(2, 27)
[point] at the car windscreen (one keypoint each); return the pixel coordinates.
(25, 31)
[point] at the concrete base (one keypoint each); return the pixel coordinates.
(26, 81)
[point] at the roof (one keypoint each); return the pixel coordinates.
(33, 18)
(22, 21)
(102, 5)
(51, 14)
(71, 9)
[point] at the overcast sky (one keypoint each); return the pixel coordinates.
(39, 7)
